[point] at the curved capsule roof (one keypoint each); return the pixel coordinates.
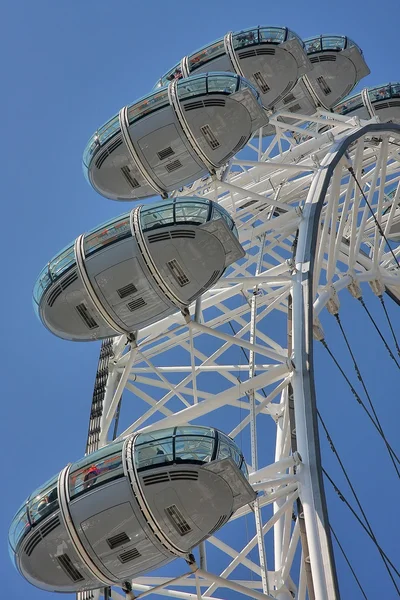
(169, 472)
(380, 101)
(136, 269)
(272, 58)
(172, 136)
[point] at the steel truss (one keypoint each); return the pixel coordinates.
(244, 355)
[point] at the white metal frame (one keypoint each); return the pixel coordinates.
(308, 235)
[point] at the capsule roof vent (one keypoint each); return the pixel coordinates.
(129, 555)
(323, 58)
(41, 533)
(127, 290)
(205, 287)
(173, 166)
(86, 316)
(218, 524)
(165, 153)
(136, 304)
(118, 540)
(256, 52)
(156, 478)
(178, 520)
(210, 137)
(177, 272)
(261, 83)
(184, 475)
(285, 91)
(132, 181)
(323, 85)
(391, 104)
(289, 98)
(204, 103)
(68, 567)
(158, 237)
(183, 233)
(238, 147)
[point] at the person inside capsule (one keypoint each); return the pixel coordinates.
(191, 478)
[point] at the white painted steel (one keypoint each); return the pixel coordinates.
(307, 232)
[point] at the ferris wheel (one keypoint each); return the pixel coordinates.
(279, 193)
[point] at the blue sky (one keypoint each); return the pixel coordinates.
(66, 68)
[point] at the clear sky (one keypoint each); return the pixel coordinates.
(66, 68)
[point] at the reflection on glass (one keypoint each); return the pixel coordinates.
(272, 35)
(63, 261)
(192, 444)
(349, 104)
(333, 42)
(147, 105)
(43, 501)
(19, 527)
(205, 54)
(191, 448)
(313, 45)
(107, 233)
(96, 468)
(245, 38)
(191, 212)
(154, 453)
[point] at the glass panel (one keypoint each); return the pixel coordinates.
(192, 430)
(395, 89)
(380, 93)
(224, 450)
(333, 43)
(245, 38)
(174, 73)
(96, 469)
(349, 105)
(272, 35)
(313, 45)
(143, 438)
(351, 44)
(202, 56)
(106, 234)
(147, 105)
(99, 138)
(224, 84)
(191, 212)
(63, 261)
(19, 527)
(154, 453)
(157, 217)
(44, 500)
(193, 87)
(193, 448)
(291, 35)
(220, 213)
(41, 285)
(243, 468)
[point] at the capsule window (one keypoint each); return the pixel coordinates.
(222, 84)
(95, 469)
(19, 528)
(152, 218)
(272, 35)
(106, 234)
(191, 448)
(154, 453)
(43, 501)
(191, 212)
